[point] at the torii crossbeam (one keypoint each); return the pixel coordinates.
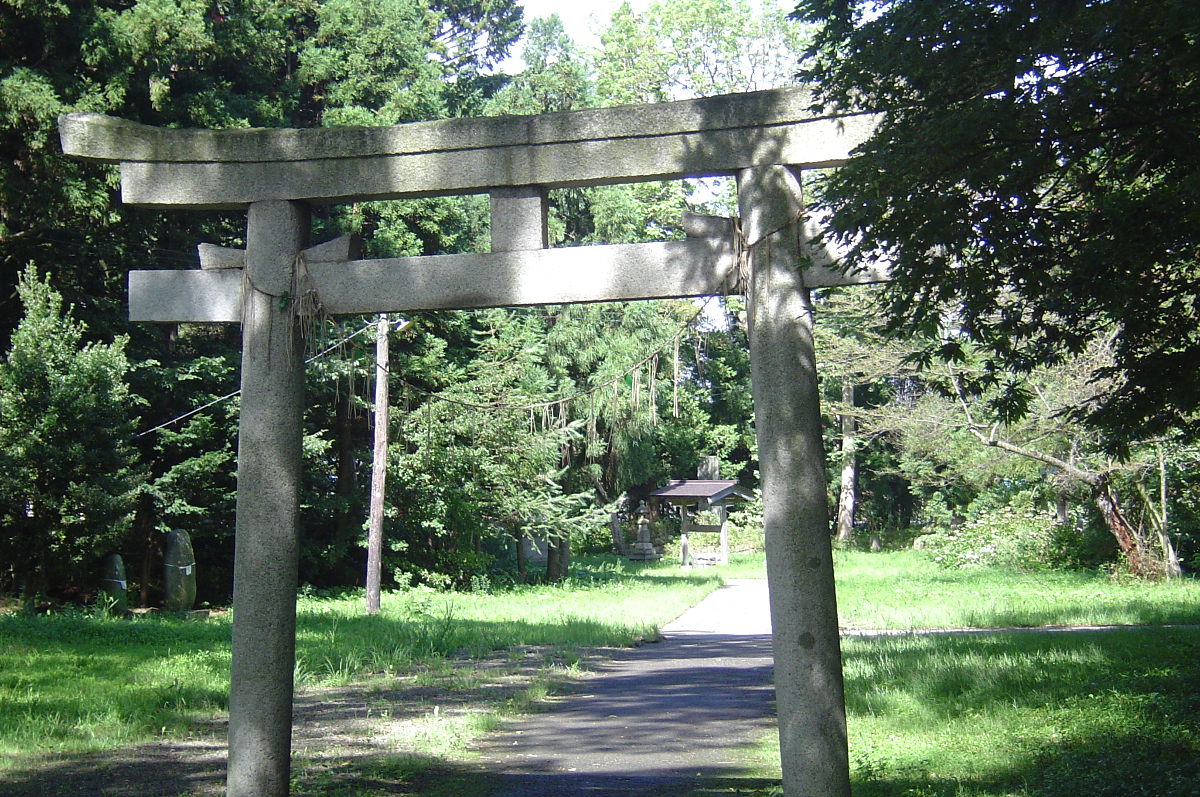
(763, 138)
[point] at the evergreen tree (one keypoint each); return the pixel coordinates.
(68, 474)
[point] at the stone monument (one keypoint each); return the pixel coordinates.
(643, 549)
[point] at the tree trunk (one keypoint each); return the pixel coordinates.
(1103, 495)
(618, 535)
(1169, 564)
(1170, 555)
(848, 494)
(519, 535)
(554, 564)
(1108, 503)
(149, 546)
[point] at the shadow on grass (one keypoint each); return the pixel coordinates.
(149, 773)
(1097, 764)
(1112, 713)
(145, 770)
(1122, 710)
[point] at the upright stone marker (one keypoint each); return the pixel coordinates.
(787, 417)
(179, 572)
(270, 430)
(113, 584)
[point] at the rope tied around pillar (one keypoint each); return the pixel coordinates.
(743, 249)
(301, 301)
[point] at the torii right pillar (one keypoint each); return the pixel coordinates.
(810, 701)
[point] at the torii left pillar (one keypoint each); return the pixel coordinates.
(268, 496)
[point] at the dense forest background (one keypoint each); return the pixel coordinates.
(505, 423)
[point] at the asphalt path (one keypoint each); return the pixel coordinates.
(658, 719)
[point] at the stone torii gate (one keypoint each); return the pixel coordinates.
(763, 138)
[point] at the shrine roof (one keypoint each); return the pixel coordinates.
(689, 490)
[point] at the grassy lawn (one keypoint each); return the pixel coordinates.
(906, 590)
(1013, 713)
(1017, 713)
(78, 683)
(1089, 713)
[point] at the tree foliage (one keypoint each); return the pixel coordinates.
(1035, 170)
(68, 474)
(696, 48)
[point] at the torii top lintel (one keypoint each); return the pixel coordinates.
(691, 138)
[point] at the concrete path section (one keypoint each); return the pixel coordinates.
(690, 707)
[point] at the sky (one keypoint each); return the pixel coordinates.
(577, 16)
(579, 19)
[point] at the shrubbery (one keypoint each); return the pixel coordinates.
(1007, 537)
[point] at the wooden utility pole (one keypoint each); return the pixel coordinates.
(378, 465)
(849, 490)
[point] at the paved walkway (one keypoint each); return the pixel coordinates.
(656, 718)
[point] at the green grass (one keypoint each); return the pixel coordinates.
(1111, 713)
(1020, 713)
(78, 683)
(1006, 714)
(86, 683)
(905, 590)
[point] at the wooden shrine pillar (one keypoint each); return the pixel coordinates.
(787, 417)
(270, 429)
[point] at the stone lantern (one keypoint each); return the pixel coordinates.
(643, 549)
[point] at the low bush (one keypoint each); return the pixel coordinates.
(1024, 539)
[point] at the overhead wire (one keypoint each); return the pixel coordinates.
(494, 406)
(228, 396)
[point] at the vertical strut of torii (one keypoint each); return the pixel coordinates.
(764, 139)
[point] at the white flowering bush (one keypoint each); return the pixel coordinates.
(1007, 537)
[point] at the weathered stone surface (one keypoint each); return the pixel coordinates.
(182, 296)
(232, 168)
(218, 257)
(346, 247)
(507, 279)
(823, 255)
(270, 428)
(105, 138)
(787, 420)
(519, 218)
(697, 267)
(699, 225)
(112, 583)
(264, 170)
(179, 572)
(811, 145)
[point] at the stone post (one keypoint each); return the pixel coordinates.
(643, 549)
(268, 497)
(808, 665)
(519, 218)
